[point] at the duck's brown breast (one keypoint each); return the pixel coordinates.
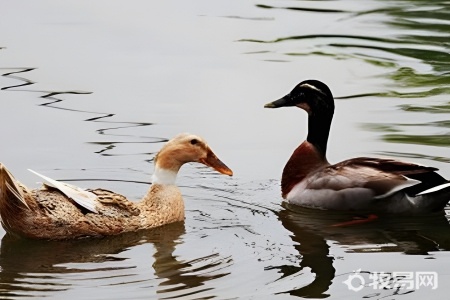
(305, 159)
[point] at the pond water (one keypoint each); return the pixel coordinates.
(92, 89)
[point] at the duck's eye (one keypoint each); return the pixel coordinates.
(194, 141)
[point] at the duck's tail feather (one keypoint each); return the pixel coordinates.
(12, 199)
(435, 189)
(435, 198)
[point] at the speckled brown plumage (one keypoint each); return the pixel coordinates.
(47, 213)
(53, 216)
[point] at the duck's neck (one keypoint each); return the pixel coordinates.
(164, 176)
(319, 130)
(163, 200)
(163, 180)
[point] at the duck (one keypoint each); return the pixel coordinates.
(61, 211)
(369, 184)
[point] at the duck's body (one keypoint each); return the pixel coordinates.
(49, 213)
(361, 184)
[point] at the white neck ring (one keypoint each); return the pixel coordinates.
(163, 176)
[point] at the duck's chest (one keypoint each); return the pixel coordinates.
(304, 161)
(163, 205)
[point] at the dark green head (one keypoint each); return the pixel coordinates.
(311, 95)
(316, 99)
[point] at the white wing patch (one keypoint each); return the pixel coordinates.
(409, 182)
(84, 198)
(435, 189)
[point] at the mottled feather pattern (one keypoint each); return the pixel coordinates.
(63, 211)
(107, 197)
(55, 216)
(8, 186)
(84, 198)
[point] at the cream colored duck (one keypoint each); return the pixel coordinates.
(363, 183)
(62, 211)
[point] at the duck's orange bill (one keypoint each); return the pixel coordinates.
(370, 218)
(214, 162)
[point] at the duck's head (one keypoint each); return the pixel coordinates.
(182, 149)
(311, 95)
(316, 99)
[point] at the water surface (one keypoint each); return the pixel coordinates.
(91, 90)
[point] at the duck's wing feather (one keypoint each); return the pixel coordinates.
(390, 166)
(84, 198)
(365, 183)
(384, 176)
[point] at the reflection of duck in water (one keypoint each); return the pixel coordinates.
(407, 234)
(314, 253)
(313, 229)
(62, 211)
(35, 267)
(30, 267)
(381, 185)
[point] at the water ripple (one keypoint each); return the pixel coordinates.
(306, 9)
(55, 102)
(27, 269)
(11, 75)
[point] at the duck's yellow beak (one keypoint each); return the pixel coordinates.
(214, 162)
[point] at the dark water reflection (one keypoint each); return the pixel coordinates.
(27, 268)
(312, 230)
(43, 268)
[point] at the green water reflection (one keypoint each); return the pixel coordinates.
(414, 48)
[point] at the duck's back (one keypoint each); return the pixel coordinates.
(51, 215)
(373, 184)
